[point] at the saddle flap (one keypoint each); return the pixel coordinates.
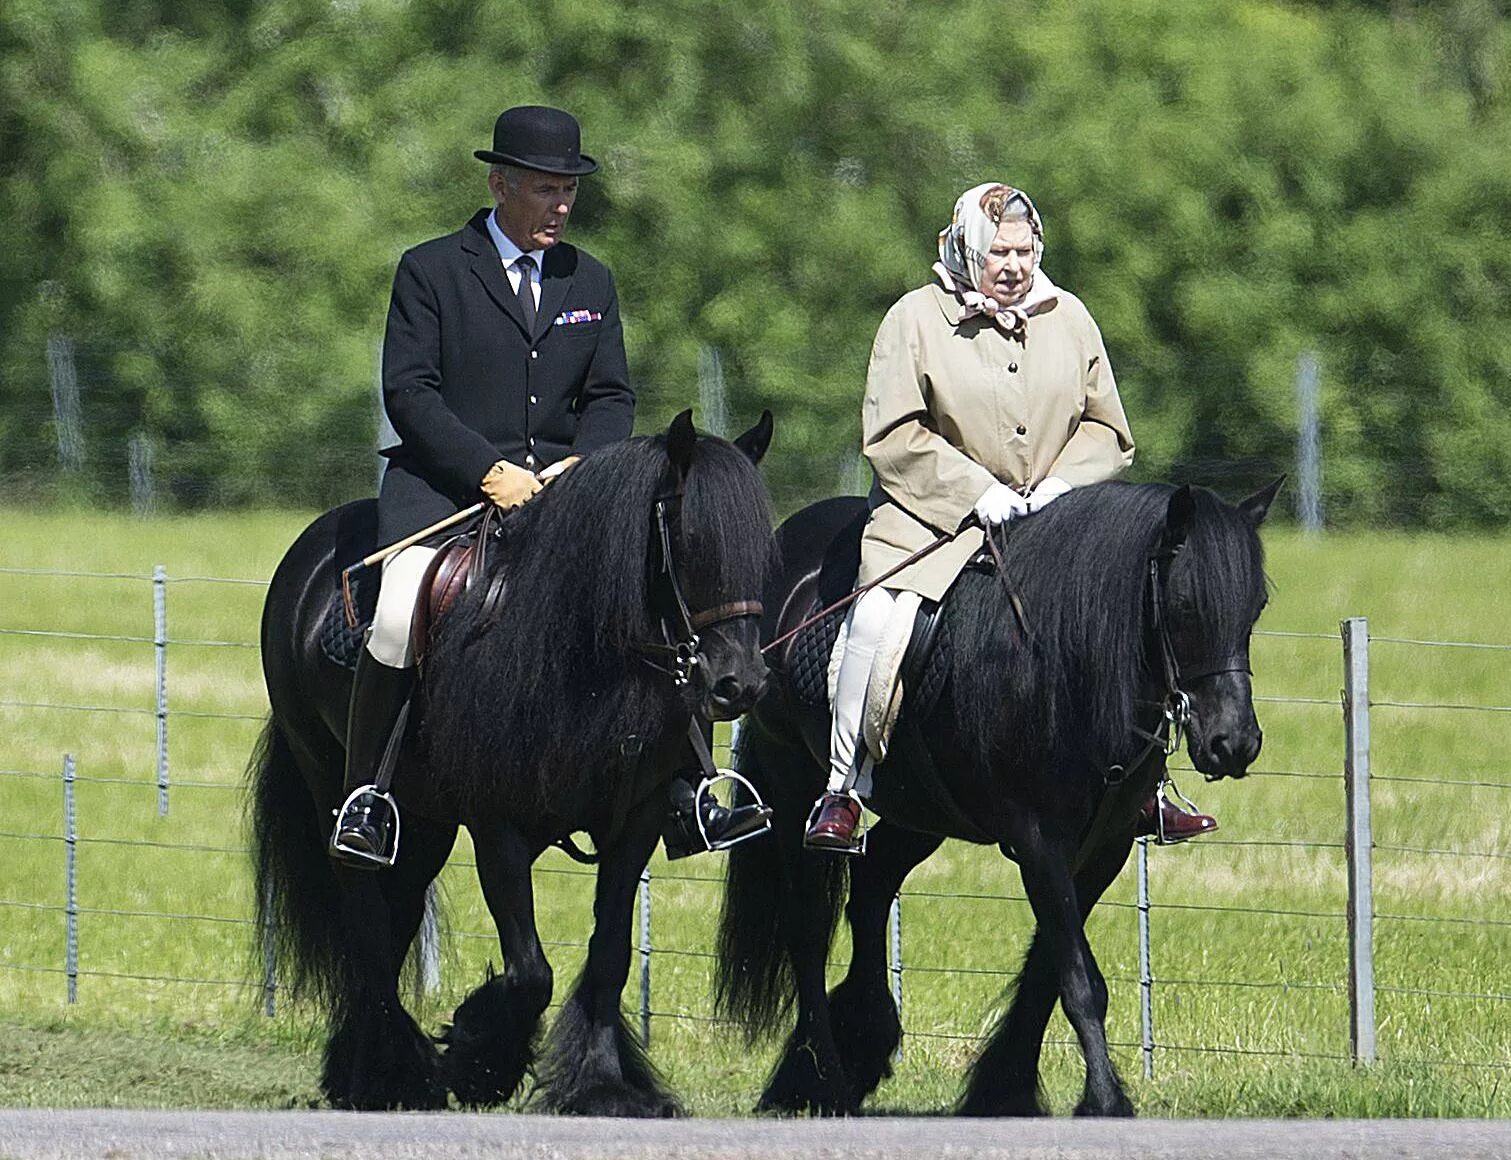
(444, 579)
(884, 692)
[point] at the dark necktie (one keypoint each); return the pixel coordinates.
(526, 293)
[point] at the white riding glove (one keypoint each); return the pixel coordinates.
(1000, 503)
(1048, 490)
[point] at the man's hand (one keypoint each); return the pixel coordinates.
(998, 504)
(509, 486)
(547, 474)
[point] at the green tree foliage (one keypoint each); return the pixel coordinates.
(210, 200)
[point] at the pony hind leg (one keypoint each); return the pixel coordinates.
(866, 1022)
(336, 921)
(782, 903)
(593, 1064)
(376, 1057)
(491, 1041)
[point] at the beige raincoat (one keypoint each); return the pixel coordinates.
(953, 407)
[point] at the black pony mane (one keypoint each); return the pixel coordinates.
(540, 692)
(1080, 569)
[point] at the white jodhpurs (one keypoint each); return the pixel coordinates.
(391, 640)
(865, 626)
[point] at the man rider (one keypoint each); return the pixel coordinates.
(503, 364)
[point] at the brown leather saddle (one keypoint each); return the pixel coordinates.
(459, 563)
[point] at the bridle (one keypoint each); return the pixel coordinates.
(1175, 703)
(676, 654)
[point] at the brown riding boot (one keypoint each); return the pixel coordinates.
(831, 825)
(1171, 824)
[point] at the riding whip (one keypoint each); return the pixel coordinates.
(384, 553)
(944, 538)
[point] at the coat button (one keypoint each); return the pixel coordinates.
(532, 399)
(1012, 368)
(529, 461)
(535, 354)
(1022, 430)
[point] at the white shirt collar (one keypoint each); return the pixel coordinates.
(508, 252)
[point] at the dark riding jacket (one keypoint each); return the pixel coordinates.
(464, 385)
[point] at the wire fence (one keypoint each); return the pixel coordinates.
(1366, 920)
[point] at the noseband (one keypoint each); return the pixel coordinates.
(676, 654)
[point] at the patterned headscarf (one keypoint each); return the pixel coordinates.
(963, 247)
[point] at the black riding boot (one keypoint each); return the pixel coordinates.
(367, 829)
(721, 826)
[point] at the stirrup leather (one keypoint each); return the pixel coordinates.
(705, 786)
(858, 841)
(368, 798)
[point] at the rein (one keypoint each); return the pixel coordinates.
(849, 598)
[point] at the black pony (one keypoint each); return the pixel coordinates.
(1115, 610)
(551, 711)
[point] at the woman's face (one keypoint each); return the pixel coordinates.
(1009, 266)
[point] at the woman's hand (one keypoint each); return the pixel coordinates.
(1048, 490)
(1000, 503)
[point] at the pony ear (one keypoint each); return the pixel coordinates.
(1257, 506)
(1178, 515)
(680, 441)
(755, 441)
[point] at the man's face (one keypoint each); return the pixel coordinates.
(534, 215)
(1009, 266)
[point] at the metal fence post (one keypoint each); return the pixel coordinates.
(1308, 444)
(1145, 975)
(894, 922)
(160, 648)
(270, 959)
(1358, 840)
(71, 898)
(645, 958)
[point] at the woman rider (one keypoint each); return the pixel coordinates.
(989, 393)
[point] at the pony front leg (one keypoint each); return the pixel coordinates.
(593, 1064)
(1004, 1080)
(1051, 889)
(490, 1043)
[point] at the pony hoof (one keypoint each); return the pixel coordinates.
(1120, 1108)
(620, 1101)
(1023, 1107)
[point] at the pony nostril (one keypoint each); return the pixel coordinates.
(1232, 753)
(1222, 748)
(726, 690)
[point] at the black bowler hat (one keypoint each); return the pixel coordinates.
(535, 137)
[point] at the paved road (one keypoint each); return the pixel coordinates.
(126, 1135)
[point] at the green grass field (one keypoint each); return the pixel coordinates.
(1250, 1006)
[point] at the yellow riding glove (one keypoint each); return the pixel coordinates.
(509, 486)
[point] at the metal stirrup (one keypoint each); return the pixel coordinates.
(385, 857)
(712, 776)
(705, 786)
